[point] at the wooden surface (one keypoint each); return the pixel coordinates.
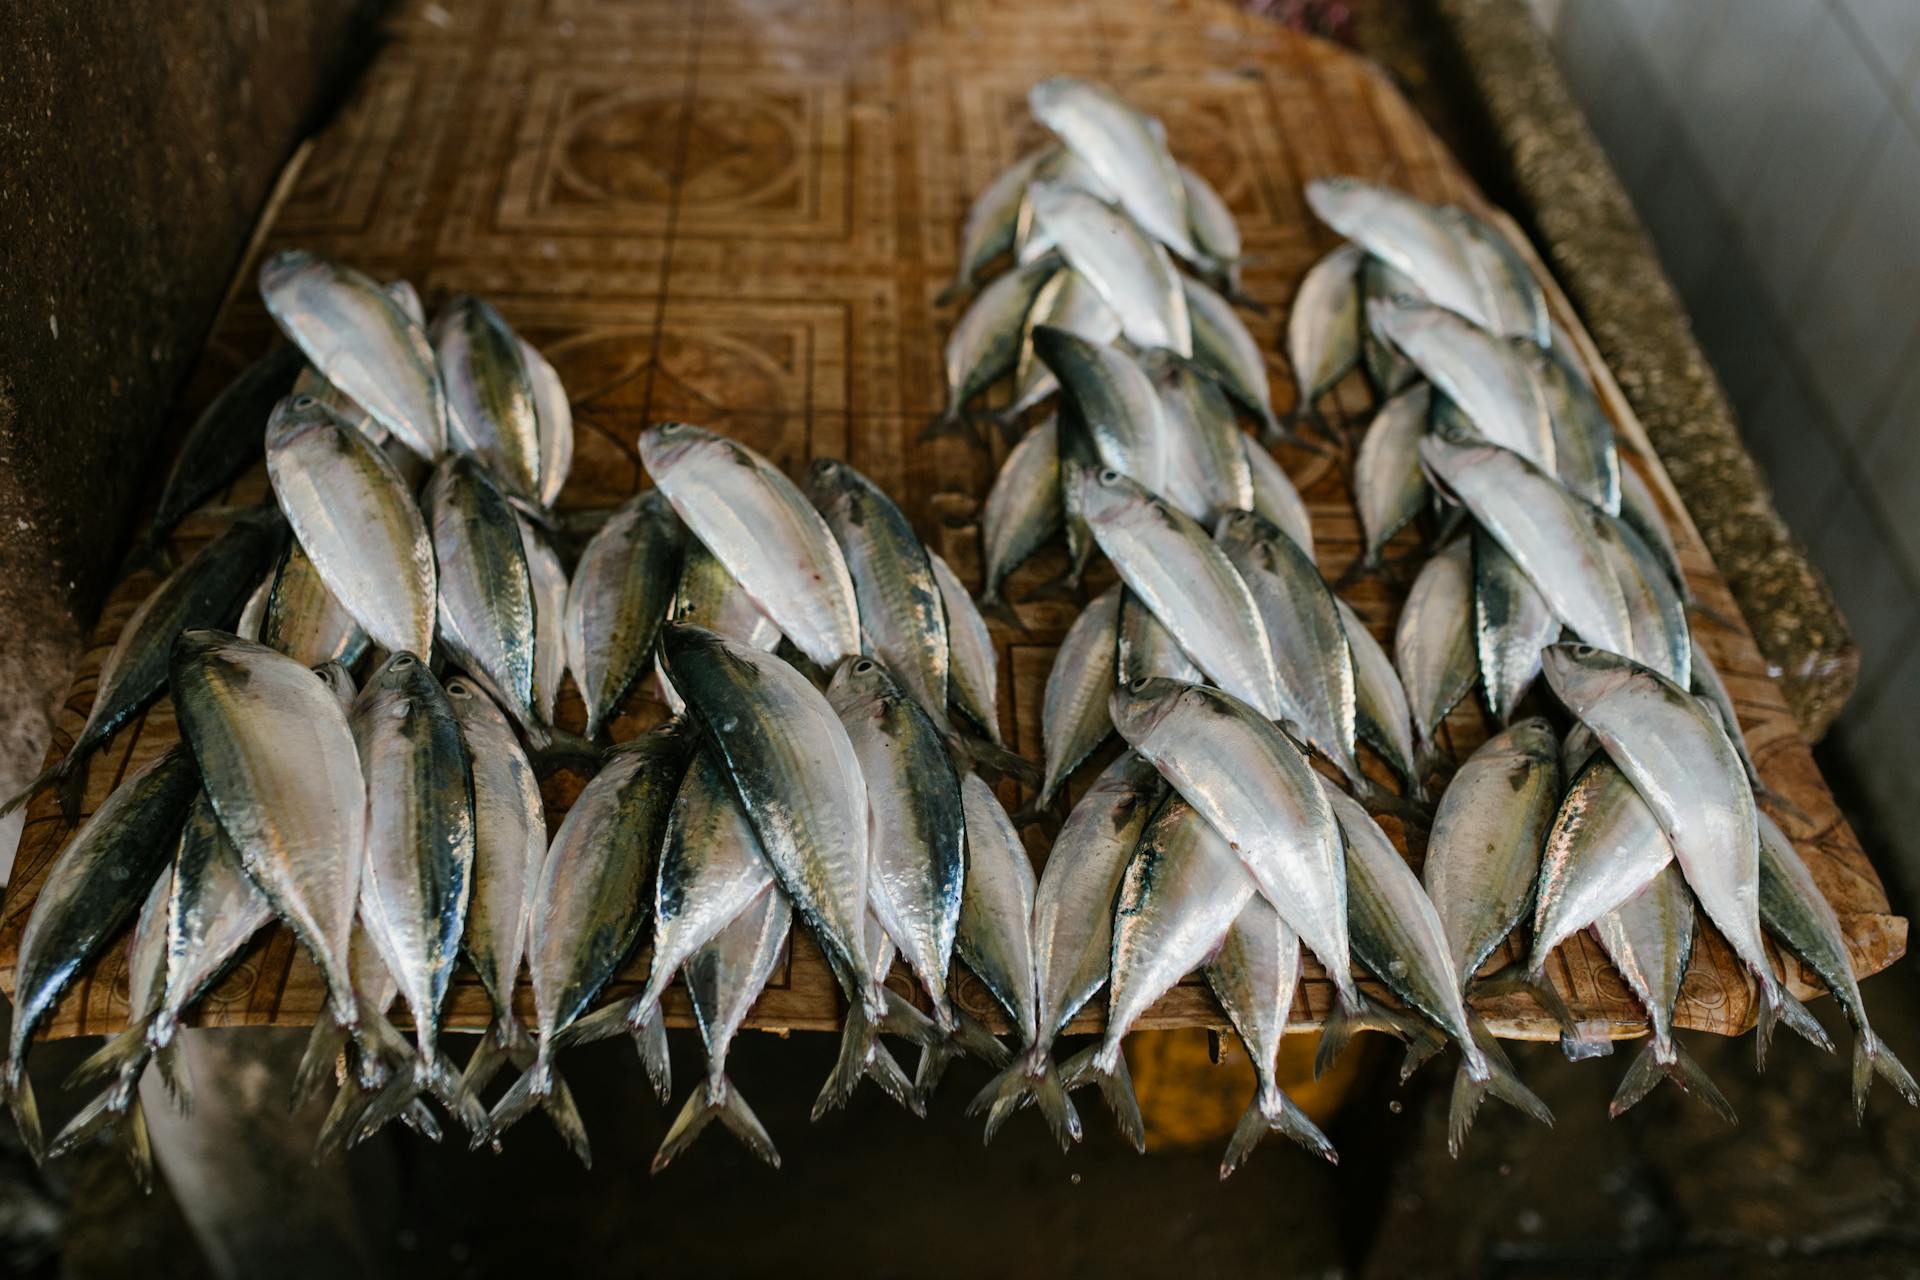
(739, 214)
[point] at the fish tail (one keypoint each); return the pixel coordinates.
(717, 1100)
(1515, 978)
(533, 1087)
(931, 1069)
(1030, 1078)
(386, 1106)
(319, 1063)
(564, 1116)
(136, 1144)
(1065, 585)
(1468, 1094)
(460, 1101)
(971, 753)
(1353, 1012)
(113, 1058)
(896, 1015)
(1116, 1087)
(649, 1031)
(1500, 1079)
(55, 772)
(972, 1035)
(1272, 1111)
(858, 1040)
(885, 1071)
(490, 1054)
(1871, 1057)
(419, 1118)
(993, 606)
(18, 1087)
(956, 289)
(1687, 1073)
(96, 1117)
(1778, 1005)
(349, 1104)
(1645, 1072)
(1010, 424)
(1423, 1046)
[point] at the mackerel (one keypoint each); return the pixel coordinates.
(1073, 712)
(1512, 625)
(492, 414)
(1133, 273)
(487, 604)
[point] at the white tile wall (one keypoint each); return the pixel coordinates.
(1773, 147)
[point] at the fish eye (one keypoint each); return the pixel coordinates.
(668, 428)
(304, 402)
(863, 666)
(457, 690)
(1109, 476)
(402, 661)
(1139, 684)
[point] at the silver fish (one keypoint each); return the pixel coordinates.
(1073, 711)
(1213, 228)
(213, 910)
(708, 596)
(995, 933)
(1248, 780)
(487, 606)
(1070, 302)
(903, 622)
(1177, 571)
(1605, 846)
(987, 231)
(1115, 398)
(1023, 509)
(1064, 169)
(1510, 297)
(764, 531)
(491, 411)
(623, 586)
(1544, 528)
(986, 341)
(255, 609)
(1799, 915)
(1433, 644)
(1409, 235)
(549, 619)
(1672, 747)
(1484, 376)
(1512, 625)
(1223, 347)
(1388, 370)
(1584, 454)
(973, 664)
(1132, 272)
(1389, 488)
(363, 342)
(1323, 325)
(1641, 510)
(1708, 683)
(1144, 648)
(553, 414)
(1381, 717)
(356, 519)
(1275, 498)
(303, 620)
(1662, 637)
(1207, 471)
(1126, 149)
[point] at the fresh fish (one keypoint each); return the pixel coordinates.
(1115, 398)
(1381, 717)
(1212, 226)
(1069, 302)
(903, 622)
(207, 591)
(254, 611)
(553, 415)
(491, 411)
(1584, 453)
(917, 828)
(1512, 624)
(1302, 622)
(363, 342)
(1177, 571)
(1389, 488)
(1483, 856)
(1649, 938)
(1133, 273)
(92, 889)
(1275, 498)
(1064, 169)
(995, 933)
(280, 767)
(1485, 377)
(986, 341)
(549, 619)
(1207, 471)
(1127, 150)
(213, 911)
(356, 519)
(1144, 648)
(1022, 511)
(220, 445)
(487, 606)
(1080, 463)
(1672, 747)
(1323, 325)
(1641, 511)
(1511, 298)
(1544, 528)
(1388, 370)
(765, 532)
(1253, 976)
(1433, 645)
(621, 592)
(312, 383)
(1408, 235)
(1257, 789)
(1797, 913)
(988, 229)
(973, 664)
(301, 618)
(1662, 637)
(1073, 711)
(1708, 684)
(1223, 347)
(724, 978)
(708, 596)
(1605, 846)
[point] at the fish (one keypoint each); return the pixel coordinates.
(763, 529)
(1433, 643)
(1671, 746)
(1072, 936)
(279, 764)
(1585, 456)
(363, 342)
(1115, 398)
(1131, 271)
(94, 886)
(1483, 856)
(1181, 892)
(1389, 488)
(1127, 149)
(986, 341)
(492, 414)
(1247, 779)
(1641, 511)
(988, 230)
(1512, 625)
(1302, 622)
(356, 519)
(1484, 376)
(213, 910)
(995, 934)
(220, 445)
(916, 824)
(1649, 938)
(1381, 717)
(301, 618)
(1212, 226)
(1080, 462)
(553, 418)
(1062, 168)
(1069, 302)
(1407, 234)
(1223, 347)
(1662, 636)
(973, 664)
(622, 591)
(1022, 512)
(708, 596)
(1389, 371)
(1143, 647)
(724, 978)
(1179, 573)
(1544, 529)
(1605, 845)
(1798, 914)
(903, 621)
(1511, 299)
(1323, 325)
(1253, 976)
(1708, 684)
(549, 618)
(1073, 710)
(1275, 499)
(487, 607)
(207, 591)
(1207, 470)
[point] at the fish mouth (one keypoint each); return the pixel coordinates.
(666, 443)
(1138, 706)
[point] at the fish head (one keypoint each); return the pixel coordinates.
(1581, 675)
(339, 680)
(287, 266)
(832, 486)
(1048, 96)
(1245, 529)
(666, 445)
(402, 678)
(1534, 738)
(1139, 706)
(1336, 200)
(1107, 496)
(300, 413)
(859, 679)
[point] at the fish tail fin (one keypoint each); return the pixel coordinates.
(1468, 1094)
(885, 1071)
(931, 1069)
(55, 772)
(1687, 1073)
(97, 1116)
(1502, 1081)
(73, 791)
(459, 1100)
(419, 1118)
(858, 1040)
(972, 752)
(1645, 1072)
(716, 1100)
(320, 1061)
(533, 1087)
(349, 1104)
(970, 1034)
(1105, 1066)
(1030, 1078)
(175, 1075)
(564, 1116)
(1353, 1012)
(1065, 585)
(386, 1106)
(489, 1055)
(18, 1087)
(956, 289)
(896, 1015)
(136, 1144)
(1871, 1057)
(649, 1031)
(1517, 978)
(995, 606)
(1272, 1111)
(1778, 1005)
(113, 1058)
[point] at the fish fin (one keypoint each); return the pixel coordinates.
(994, 607)
(1107, 1068)
(1047, 809)
(1501, 1080)
(385, 1106)
(1465, 1104)
(26, 1111)
(973, 753)
(604, 1023)
(564, 1115)
(1272, 1111)
(1515, 977)
(884, 1070)
(650, 1038)
(972, 1035)
(858, 1040)
(1645, 1072)
(1359, 1013)
(419, 1117)
(715, 1100)
(96, 1117)
(1421, 1049)
(53, 773)
(111, 1058)
(73, 791)
(899, 1017)
(175, 1075)
(136, 1144)
(1777, 1005)
(1065, 585)
(1872, 1057)
(349, 1104)
(319, 1063)
(1030, 1078)
(932, 1067)
(959, 287)
(522, 1096)
(460, 1101)
(1687, 1073)
(488, 1057)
